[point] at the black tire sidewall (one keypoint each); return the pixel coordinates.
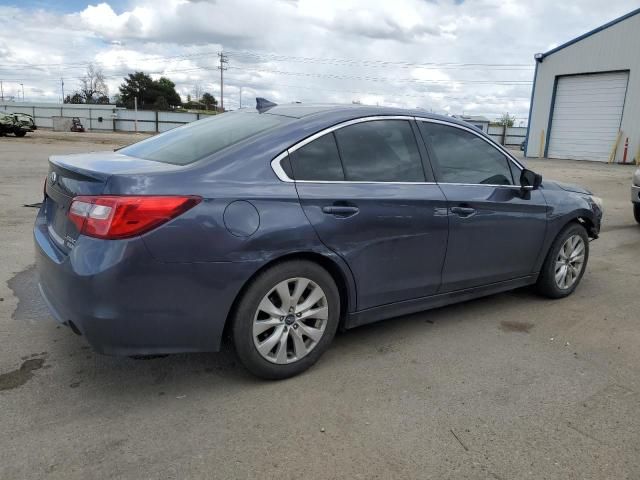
(242, 327)
(547, 282)
(636, 211)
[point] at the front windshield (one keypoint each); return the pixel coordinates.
(200, 139)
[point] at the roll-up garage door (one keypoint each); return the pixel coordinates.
(586, 115)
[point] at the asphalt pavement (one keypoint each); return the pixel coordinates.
(510, 386)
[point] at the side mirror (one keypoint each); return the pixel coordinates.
(530, 180)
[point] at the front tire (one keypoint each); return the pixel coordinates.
(565, 263)
(286, 319)
(19, 133)
(636, 211)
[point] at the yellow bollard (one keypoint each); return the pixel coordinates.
(541, 150)
(612, 155)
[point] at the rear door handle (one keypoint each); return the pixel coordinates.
(463, 211)
(340, 210)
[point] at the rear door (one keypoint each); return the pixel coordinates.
(364, 188)
(495, 231)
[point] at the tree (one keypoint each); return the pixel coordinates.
(141, 86)
(93, 86)
(197, 91)
(76, 98)
(209, 101)
(506, 120)
(161, 104)
(167, 89)
(136, 85)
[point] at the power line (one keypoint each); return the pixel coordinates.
(365, 62)
(290, 58)
(433, 95)
(314, 75)
(382, 79)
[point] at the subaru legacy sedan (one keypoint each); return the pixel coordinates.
(277, 226)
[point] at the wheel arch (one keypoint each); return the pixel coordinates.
(578, 218)
(335, 266)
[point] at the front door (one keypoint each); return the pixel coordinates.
(363, 188)
(496, 231)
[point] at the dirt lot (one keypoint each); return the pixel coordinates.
(507, 387)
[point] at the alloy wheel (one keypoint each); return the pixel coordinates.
(569, 262)
(290, 320)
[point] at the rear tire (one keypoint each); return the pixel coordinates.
(286, 319)
(20, 133)
(566, 262)
(636, 211)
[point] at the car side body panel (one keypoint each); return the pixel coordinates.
(173, 288)
(395, 244)
(499, 241)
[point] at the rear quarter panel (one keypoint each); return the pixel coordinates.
(213, 232)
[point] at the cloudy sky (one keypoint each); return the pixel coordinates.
(448, 56)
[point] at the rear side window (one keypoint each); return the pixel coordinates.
(200, 139)
(462, 157)
(317, 161)
(380, 151)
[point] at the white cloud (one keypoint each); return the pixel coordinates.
(305, 50)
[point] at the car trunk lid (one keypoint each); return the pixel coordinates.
(83, 174)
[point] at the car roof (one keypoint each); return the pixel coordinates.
(341, 112)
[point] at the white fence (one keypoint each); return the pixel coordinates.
(103, 117)
(509, 136)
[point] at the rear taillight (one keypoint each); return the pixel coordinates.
(113, 217)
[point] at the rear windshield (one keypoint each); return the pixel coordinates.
(200, 139)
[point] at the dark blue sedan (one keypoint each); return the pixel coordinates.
(279, 225)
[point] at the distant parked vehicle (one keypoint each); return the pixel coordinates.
(17, 123)
(635, 195)
(279, 225)
(76, 125)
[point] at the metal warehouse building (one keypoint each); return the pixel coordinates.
(585, 102)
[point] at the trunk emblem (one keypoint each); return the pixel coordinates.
(53, 176)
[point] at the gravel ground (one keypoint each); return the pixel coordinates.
(507, 387)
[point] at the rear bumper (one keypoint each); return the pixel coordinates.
(635, 194)
(127, 303)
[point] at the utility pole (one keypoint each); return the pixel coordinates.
(2, 90)
(222, 68)
(62, 85)
(135, 107)
(240, 97)
(22, 85)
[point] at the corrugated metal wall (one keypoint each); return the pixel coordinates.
(103, 117)
(615, 48)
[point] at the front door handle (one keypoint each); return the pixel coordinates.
(463, 211)
(340, 210)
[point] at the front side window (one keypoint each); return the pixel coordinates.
(462, 157)
(380, 151)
